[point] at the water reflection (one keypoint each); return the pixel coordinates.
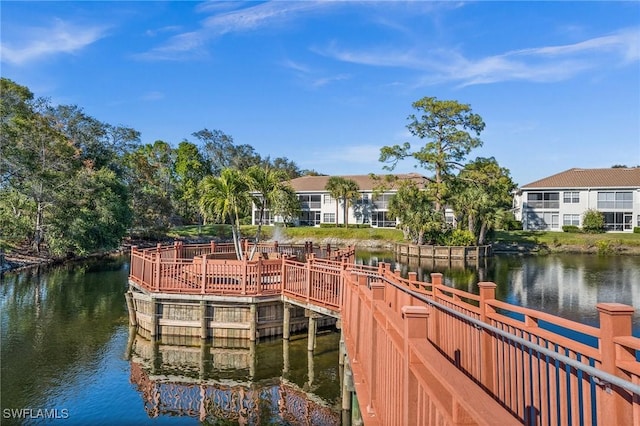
(54, 322)
(271, 382)
(568, 285)
(65, 345)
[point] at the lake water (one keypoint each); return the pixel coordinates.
(67, 351)
(567, 285)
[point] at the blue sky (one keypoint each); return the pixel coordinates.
(328, 83)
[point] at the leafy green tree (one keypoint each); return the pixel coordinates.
(150, 177)
(446, 126)
(46, 152)
(216, 146)
(286, 204)
(220, 152)
(482, 193)
(414, 208)
(287, 166)
(16, 214)
(223, 198)
(90, 215)
(99, 144)
(593, 221)
(44, 161)
(190, 169)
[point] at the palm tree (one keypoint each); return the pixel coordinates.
(266, 183)
(334, 185)
(345, 190)
(349, 191)
(414, 208)
(222, 199)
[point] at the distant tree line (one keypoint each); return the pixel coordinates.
(74, 184)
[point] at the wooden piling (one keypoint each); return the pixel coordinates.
(286, 321)
(131, 307)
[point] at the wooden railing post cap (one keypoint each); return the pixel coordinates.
(487, 284)
(615, 309)
(414, 312)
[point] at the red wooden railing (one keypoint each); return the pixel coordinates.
(426, 353)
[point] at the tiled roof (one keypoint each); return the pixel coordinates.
(590, 178)
(365, 182)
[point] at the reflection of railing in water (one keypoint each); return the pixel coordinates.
(257, 404)
(272, 401)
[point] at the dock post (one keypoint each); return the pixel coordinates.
(313, 325)
(342, 349)
(347, 394)
(253, 325)
(154, 317)
(285, 357)
(311, 375)
(203, 320)
(286, 321)
(131, 308)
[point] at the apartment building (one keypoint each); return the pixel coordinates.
(561, 199)
(318, 206)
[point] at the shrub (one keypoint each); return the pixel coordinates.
(571, 229)
(604, 247)
(636, 230)
(457, 237)
(593, 222)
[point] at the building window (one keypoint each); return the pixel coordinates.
(617, 221)
(329, 218)
(571, 197)
(543, 200)
(543, 220)
(449, 217)
(382, 201)
(571, 219)
(310, 201)
(310, 218)
(615, 200)
(381, 220)
(328, 199)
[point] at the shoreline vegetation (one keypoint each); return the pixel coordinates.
(504, 242)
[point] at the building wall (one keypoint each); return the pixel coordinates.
(622, 214)
(319, 207)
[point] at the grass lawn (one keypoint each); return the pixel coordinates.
(548, 239)
(302, 232)
(567, 238)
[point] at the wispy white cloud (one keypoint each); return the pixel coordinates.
(153, 96)
(166, 29)
(225, 20)
(541, 64)
(32, 44)
(311, 77)
(323, 81)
